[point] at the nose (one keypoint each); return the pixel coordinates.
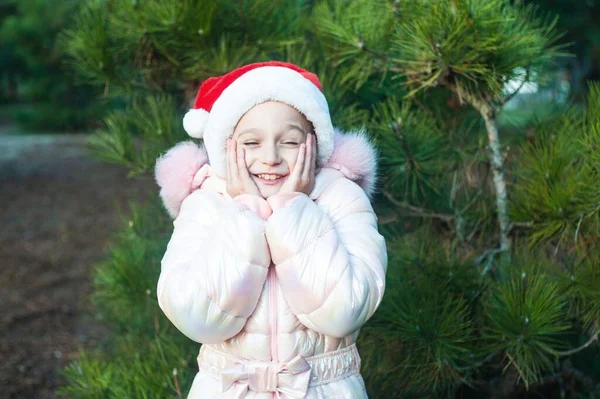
(272, 156)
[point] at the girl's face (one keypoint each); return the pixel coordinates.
(271, 134)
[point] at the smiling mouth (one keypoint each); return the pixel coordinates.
(268, 178)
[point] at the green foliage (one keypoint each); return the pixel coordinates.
(527, 315)
(125, 282)
(581, 281)
(425, 319)
(475, 45)
(138, 367)
(578, 20)
(154, 118)
(157, 46)
(138, 360)
(557, 177)
(348, 28)
(48, 117)
(86, 50)
(31, 63)
(415, 151)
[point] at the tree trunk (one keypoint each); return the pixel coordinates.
(497, 163)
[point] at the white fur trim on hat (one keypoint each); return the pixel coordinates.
(194, 122)
(269, 83)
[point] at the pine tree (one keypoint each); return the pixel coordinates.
(492, 230)
(579, 20)
(32, 72)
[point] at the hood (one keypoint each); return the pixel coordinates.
(175, 171)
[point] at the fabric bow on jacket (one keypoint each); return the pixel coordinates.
(288, 380)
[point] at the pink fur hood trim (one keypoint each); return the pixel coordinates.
(176, 171)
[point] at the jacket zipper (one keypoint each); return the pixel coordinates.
(273, 316)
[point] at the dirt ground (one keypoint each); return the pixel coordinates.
(57, 211)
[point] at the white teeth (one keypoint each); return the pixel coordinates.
(269, 177)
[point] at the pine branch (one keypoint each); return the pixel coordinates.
(569, 372)
(577, 229)
(592, 339)
(485, 107)
(514, 93)
(418, 212)
(486, 110)
(177, 387)
(243, 17)
(478, 364)
(485, 254)
(397, 126)
(590, 383)
(561, 380)
(521, 224)
(391, 218)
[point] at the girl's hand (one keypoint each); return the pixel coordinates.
(238, 178)
(302, 176)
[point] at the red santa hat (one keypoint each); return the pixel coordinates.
(223, 100)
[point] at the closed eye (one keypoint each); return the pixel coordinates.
(250, 143)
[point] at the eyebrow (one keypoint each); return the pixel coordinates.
(289, 126)
(292, 126)
(253, 130)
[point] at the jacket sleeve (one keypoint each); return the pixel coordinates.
(330, 259)
(214, 268)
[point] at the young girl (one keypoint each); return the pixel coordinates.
(275, 261)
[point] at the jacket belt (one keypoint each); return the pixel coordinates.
(289, 380)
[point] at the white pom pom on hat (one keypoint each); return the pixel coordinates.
(194, 122)
(223, 100)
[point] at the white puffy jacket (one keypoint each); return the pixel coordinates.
(276, 290)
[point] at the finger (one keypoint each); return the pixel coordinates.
(315, 156)
(315, 152)
(228, 158)
(308, 158)
(234, 166)
(241, 163)
(313, 163)
(299, 166)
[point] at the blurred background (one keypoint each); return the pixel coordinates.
(92, 92)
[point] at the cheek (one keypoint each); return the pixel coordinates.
(250, 156)
(290, 156)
